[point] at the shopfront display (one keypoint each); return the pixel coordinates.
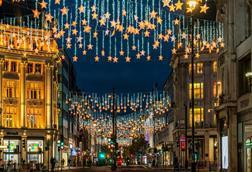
(11, 150)
(35, 151)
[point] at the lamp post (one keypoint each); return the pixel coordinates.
(191, 6)
(114, 166)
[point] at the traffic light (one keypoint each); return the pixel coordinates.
(23, 143)
(58, 145)
(101, 155)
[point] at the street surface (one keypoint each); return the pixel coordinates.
(123, 169)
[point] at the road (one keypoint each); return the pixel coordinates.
(124, 169)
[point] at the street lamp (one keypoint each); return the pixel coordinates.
(191, 6)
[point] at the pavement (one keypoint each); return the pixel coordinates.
(133, 168)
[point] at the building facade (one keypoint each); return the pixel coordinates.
(205, 93)
(235, 109)
(28, 95)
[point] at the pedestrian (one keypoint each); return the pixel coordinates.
(53, 162)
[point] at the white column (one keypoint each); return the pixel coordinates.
(22, 94)
(48, 91)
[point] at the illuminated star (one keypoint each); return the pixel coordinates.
(102, 52)
(204, 8)
(142, 53)
(67, 26)
(107, 15)
(93, 8)
(64, 11)
(74, 23)
(153, 14)
(179, 5)
(90, 46)
(166, 3)
(136, 18)
(75, 58)
(174, 51)
(160, 58)
(172, 8)
(138, 56)
(57, 2)
(121, 53)
(49, 17)
(97, 58)
(43, 4)
(134, 47)
(147, 33)
(84, 52)
(81, 9)
(148, 58)
(197, 55)
(110, 58)
(125, 36)
(176, 21)
(95, 34)
(84, 22)
(94, 16)
(113, 23)
(68, 46)
(124, 13)
(102, 22)
(74, 31)
(87, 29)
(107, 32)
(36, 13)
(115, 60)
(159, 20)
(79, 39)
(127, 59)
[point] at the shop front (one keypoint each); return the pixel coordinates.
(35, 151)
(11, 150)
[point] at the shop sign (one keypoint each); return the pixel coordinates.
(182, 141)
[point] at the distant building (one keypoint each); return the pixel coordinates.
(205, 93)
(67, 85)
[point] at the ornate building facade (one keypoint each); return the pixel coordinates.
(234, 114)
(28, 95)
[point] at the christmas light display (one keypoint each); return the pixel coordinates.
(116, 31)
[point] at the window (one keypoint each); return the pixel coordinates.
(30, 68)
(245, 83)
(217, 89)
(198, 68)
(38, 68)
(6, 66)
(215, 67)
(10, 88)
(13, 66)
(198, 90)
(8, 114)
(198, 117)
(32, 117)
(34, 91)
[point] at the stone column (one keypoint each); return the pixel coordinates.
(1, 96)
(232, 140)
(48, 95)
(206, 158)
(22, 93)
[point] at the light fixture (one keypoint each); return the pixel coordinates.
(192, 4)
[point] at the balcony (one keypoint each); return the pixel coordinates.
(35, 102)
(10, 100)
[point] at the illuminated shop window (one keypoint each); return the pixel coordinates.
(198, 90)
(6, 66)
(217, 90)
(198, 117)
